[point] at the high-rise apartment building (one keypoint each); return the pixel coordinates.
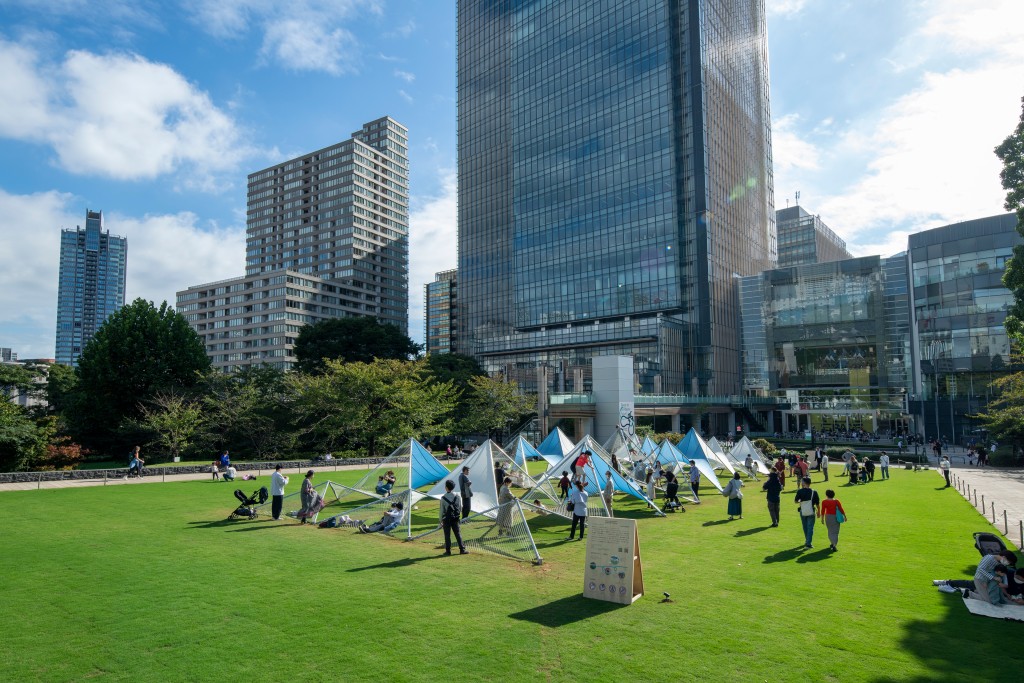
(805, 239)
(340, 214)
(614, 176)
(442, 312)
(92, 283)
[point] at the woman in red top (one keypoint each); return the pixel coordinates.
(829, 507)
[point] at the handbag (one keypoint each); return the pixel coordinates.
(840, 517)
(807, 506)
(570, 506)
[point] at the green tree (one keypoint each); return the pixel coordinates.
(139, 352)
(1011, 153)
(173, 420)
(360, 339)
(21, 440)
(61, 382)
(494, 403)
(459, 370)
(376, 404)
(18, 378)
(246, 411)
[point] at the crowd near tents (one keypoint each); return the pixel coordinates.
(417, 481)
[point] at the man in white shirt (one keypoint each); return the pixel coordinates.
(883, 462)
(277, 484)
(695, 483)
(824, 464)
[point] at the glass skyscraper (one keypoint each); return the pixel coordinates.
(442, 312)
(614, 177)
(91, 288)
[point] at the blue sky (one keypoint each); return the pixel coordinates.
(885, 115)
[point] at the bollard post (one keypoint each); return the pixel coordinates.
(1006, 524)
(982, 504)
(993, 512)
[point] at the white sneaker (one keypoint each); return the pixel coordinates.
(940, 582)
(947, 589)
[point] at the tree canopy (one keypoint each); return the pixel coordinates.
(1011, 153)
(140, 351)
(360, 339)
(494, 403)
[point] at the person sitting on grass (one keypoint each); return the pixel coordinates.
(391, 519)
(229, 473)
(983, 575)
(385, 483)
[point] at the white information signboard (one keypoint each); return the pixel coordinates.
(613, 571)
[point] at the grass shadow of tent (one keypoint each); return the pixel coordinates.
(564, 611)
(501, 530)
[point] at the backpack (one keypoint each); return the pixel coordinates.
(451, 514)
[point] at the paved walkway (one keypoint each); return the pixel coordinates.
(323, 471)
(1002, 487)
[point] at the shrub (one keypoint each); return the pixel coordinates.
(766, 447)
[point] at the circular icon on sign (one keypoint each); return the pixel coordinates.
(615, 559)
(622, 590)
(593, 565)
(592, 585)
(622, 575)
(602, 586)
(607, 571)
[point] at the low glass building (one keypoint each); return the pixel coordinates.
(834, 340)
(960, 306)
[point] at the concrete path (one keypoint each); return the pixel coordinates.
(322, 470)
(998, 487)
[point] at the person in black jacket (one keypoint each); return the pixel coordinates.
(772, 487)
(451, 509)
(466, 491)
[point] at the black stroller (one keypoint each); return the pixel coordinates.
(988, 544)
(247, 509)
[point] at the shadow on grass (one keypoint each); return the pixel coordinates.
(748, 532)
(566, 611)
(217, 524)
(784, 555)
(816, 556)
(717, 522)
(396, 564)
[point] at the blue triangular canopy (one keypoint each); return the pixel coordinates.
(423, 467)
(668, 454)
(699, 454)
(525, 451)
(555, 446)
(648, 446)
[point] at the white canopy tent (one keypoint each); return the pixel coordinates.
(743, 447)
(481, 472)
(721, 455)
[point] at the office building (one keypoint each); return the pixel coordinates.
(92, 282)
(441, 312)
(340, 214)
(8, 355)
(833, 342)
(805, 239)
(960, 307)
(614, 175)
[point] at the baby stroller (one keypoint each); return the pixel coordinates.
(988, 544)
(247, 509)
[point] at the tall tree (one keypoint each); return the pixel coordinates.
(377, 404)
(1011, 153)
(360, 339)
(138, 352)
(174, 421)
(459, 370)
(494, 404)
(21, 440)
(246, 411)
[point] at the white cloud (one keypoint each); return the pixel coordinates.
(117, 115)
(925, 158)
(405, 96)
(304, 35)
(784, 7)
(166, 253)
(433, 245)
(405, 75)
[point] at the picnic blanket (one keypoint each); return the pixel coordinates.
(985, 609)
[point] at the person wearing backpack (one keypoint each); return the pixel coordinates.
(808, 502)
(451, 515)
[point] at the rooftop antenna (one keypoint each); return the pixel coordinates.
(798, 197)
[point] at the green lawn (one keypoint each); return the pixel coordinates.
(148, 583)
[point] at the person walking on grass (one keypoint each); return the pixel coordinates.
(277, 484)
(883, 464)
(735, 496)
(772, 488)
(824, 463)
(944, 466)
(608, 491)
(451, 516)
(578, 500)
(465, 491)
(832, 515)
(694, 483)
(505, 511)
(311, 502)
(808, 502)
